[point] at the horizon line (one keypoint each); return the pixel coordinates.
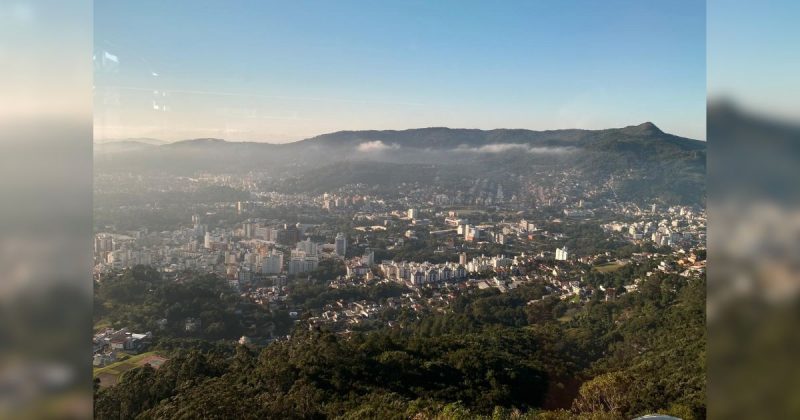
(135, 138)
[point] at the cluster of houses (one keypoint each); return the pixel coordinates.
(422, 273)
(107, 345)
(347, 313)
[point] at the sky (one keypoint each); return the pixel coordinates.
(284, 71)
(46, 71)
(751, 60)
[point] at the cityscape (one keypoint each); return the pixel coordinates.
(419, 210)
(259, 260)
(262, 259)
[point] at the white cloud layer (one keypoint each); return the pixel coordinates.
(509, 147)
(376, 146)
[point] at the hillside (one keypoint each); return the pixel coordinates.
(494, 356)
(653, 163)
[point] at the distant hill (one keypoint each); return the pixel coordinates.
(120, 146)
(145, 140)
(195, 143)
(445, 138)
(653, 163)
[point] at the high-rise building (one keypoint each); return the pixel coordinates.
(413, 213)
(462, 258)
(472, 233)
(526, 225)
(117, 259)
(272, 263)
(310, 248)
(289, 235)
(103, 243)
(263, 233)
(368, 258)
(340, 244)
(207, 241)
(249, 229)
(300, 262)
(200, 229)
(562, 254)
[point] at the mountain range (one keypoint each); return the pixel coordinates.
(650, 161)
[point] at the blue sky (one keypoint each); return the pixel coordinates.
(281, 71)
(753, 57)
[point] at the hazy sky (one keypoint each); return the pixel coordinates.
(281, 71)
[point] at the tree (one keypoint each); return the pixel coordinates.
(605, 393)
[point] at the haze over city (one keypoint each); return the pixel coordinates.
(428, 210)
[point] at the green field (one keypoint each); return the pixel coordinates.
(609, 267)
(109, 375)
(101, 325)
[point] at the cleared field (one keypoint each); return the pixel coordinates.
(609, 267)
(102, 325)
(109, 375)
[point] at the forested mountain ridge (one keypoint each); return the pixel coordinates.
(647, 163)
(444, 138)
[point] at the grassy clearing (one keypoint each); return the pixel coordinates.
(101, 325)
(570, 314)
(566, 318)
(110, 374)
(609, 267)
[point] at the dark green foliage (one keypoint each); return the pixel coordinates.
(491, 355)
(328, 270)
(140, 298)
(316, 296)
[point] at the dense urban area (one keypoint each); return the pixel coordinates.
(548, 295)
